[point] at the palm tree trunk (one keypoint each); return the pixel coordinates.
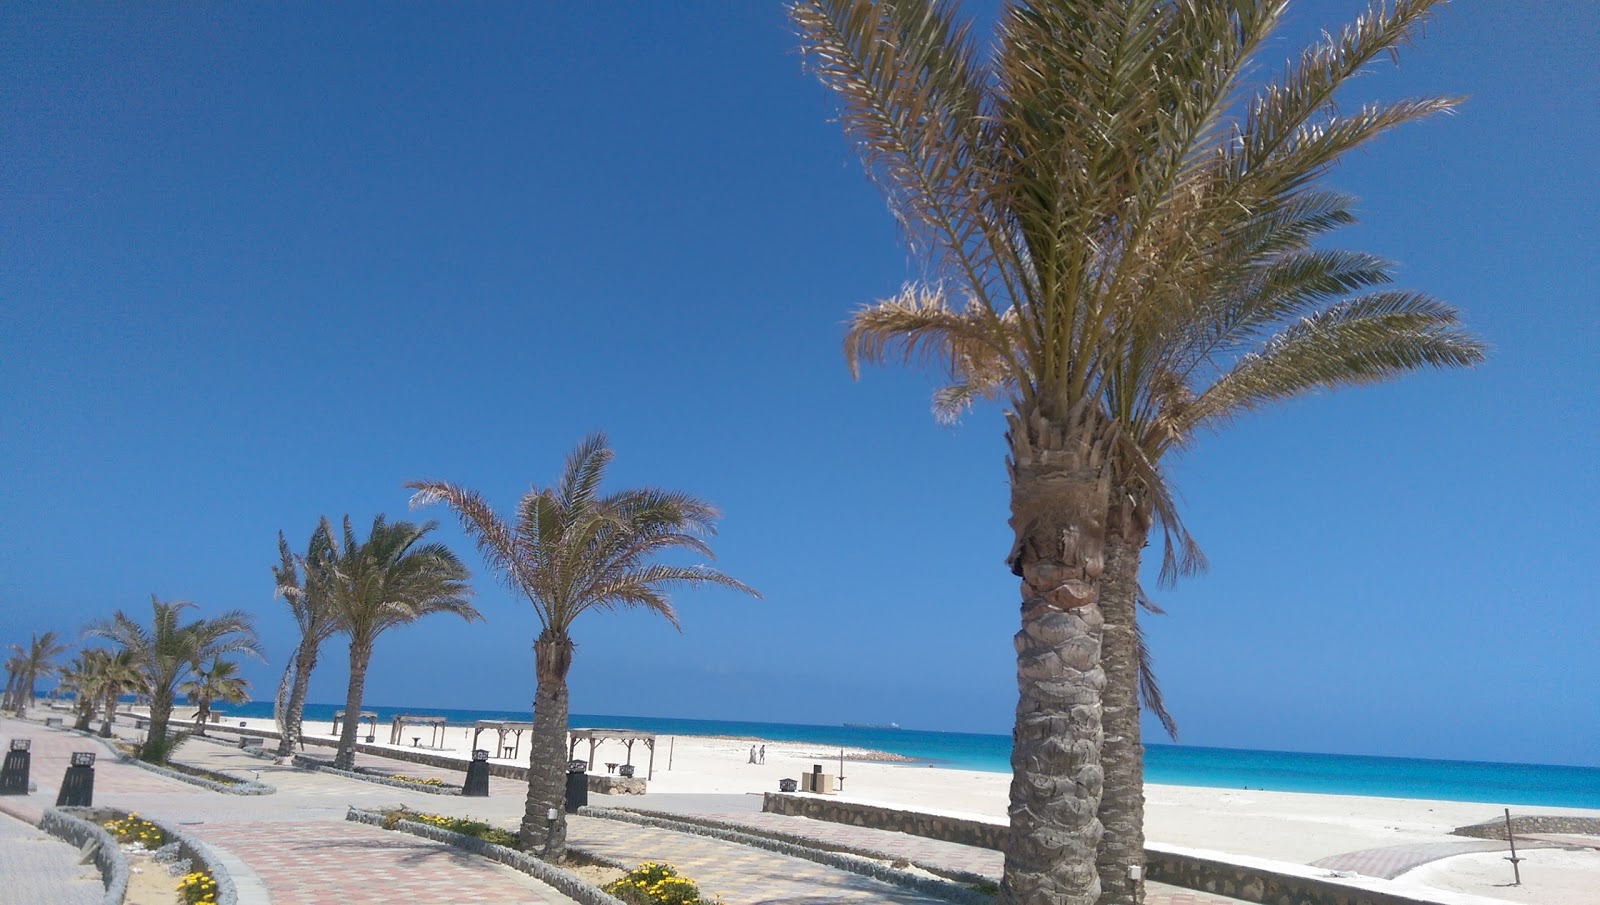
(305, 661)
(547, 749)
(84, 705)
(155, 742)
(24, 693)
(1122, 755)
(360, 657)
(111, 708)
(1059, 493)
(202, 714)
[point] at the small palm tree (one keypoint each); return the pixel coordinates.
(303, 583)
(391, 579)
(572, 550)
(35, 661)
(81, 677)
(163, 654)
(217, 681)
(13, 679)
(116, 674)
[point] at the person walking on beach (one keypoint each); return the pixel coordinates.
(762, 757)
(752, 754)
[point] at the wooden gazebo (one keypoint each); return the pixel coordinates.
(626, 736)
(501, 728)
(366, 716)
(435, 724)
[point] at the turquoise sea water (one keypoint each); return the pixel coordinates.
(1183, 765)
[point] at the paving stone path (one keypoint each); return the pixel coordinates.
(932, 852)
(39, 869)
(295, 845)
(738, 874)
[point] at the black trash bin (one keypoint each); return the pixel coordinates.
(577, 785)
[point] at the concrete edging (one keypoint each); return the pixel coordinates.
(567, 884)
(244, 786)
(1238, 876)
(188, 847)
(949, 873)
(108, 856)
(851, 863)
(306, 763)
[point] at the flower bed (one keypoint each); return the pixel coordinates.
(657, 884)
(564, 881)
(466, 826)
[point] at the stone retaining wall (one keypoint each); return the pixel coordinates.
(108, 857)
(976, 833)
(188, 848)
(428, 758)
(1531, 823)
(1251, 879)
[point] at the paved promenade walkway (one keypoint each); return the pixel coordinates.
(294, 847)
(39, 869)
(931, 852)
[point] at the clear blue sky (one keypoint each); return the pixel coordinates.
(264, 262)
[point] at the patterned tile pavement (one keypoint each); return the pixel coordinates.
(39, 869)
(948, 855)
(350, 864)
(739, 874)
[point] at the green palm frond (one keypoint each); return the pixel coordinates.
(394, 578)
(1370, 339)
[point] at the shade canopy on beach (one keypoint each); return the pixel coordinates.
(366, 716)
(626, 736)
(501, 728)
(435, 724)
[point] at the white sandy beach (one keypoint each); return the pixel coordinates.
(1284, 826)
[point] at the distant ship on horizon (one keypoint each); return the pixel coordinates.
(872, 725)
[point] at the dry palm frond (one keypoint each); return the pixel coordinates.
(571, 549)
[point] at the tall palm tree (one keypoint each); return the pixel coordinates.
(303, 582)
(572, 550)
(164, 653)
(389, 580)
(217, 681)
(1082, 197)
(37, 660)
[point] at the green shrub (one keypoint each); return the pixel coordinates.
(463, 825)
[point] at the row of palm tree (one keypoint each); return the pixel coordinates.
(360, 589)
(177, 653)
(26, 666)
(172, 656)
(1120, 221)
(569, 549)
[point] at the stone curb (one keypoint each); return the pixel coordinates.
(108, 857)
(949, 873)
(244, 787)
(566, 883)
(307, 763)
(227, 893)
(838, 860)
